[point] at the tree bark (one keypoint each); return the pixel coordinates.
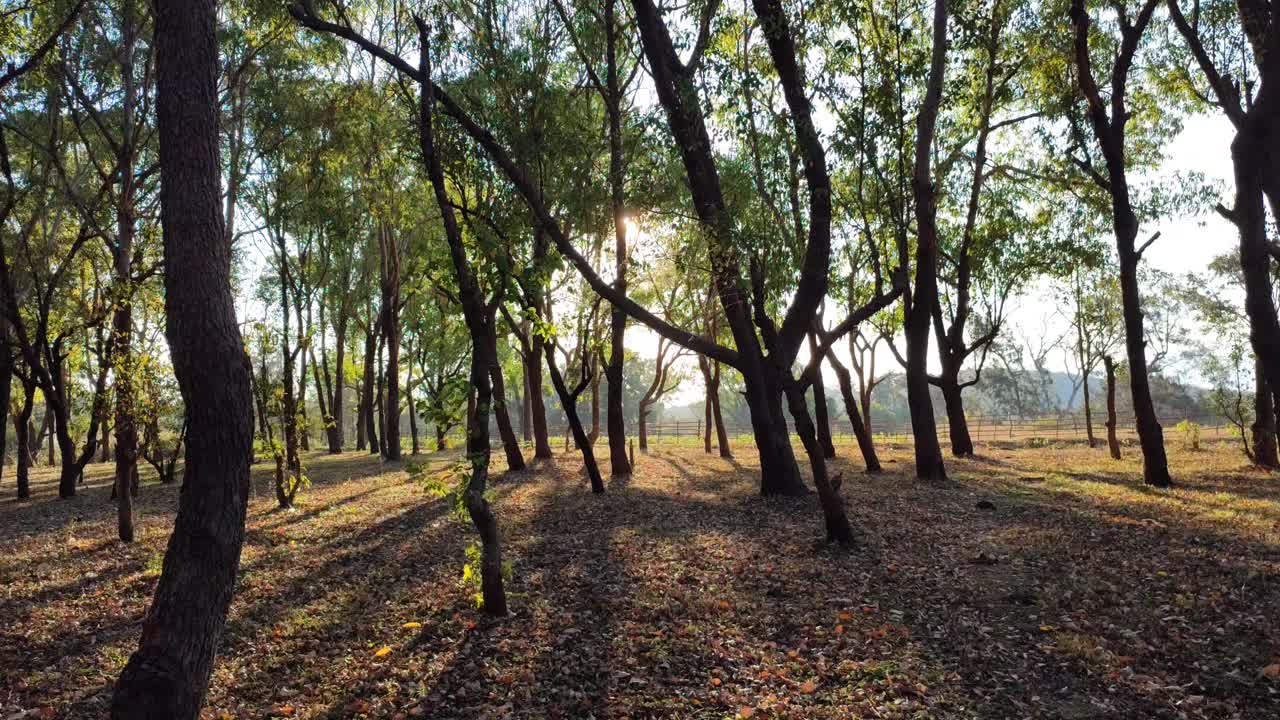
(391, 333)
(928, 452)
(369, 388)
(1110, 135)
(821, 415)
(957, 423)
(1264, 420)
(510, 445)
(1113, 442)
(866, 444)
(484, 355)
(22, 439)
(169, 673)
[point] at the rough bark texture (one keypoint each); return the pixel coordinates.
(169, 673)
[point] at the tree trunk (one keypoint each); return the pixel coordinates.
(1264, 421)
(928, 452)
(1110, 135)
(367, 402)
(569, 404)
(391, 332)
(533, 369)
(865, 443)
(1113, 442)
(484, 356)
(957, 423)
(337, 434)
(510, 445)
(413, 413)
(821, 416)
(1088, 410)
(442, 441)
(22, 438)
(168, 675)
(835, 518)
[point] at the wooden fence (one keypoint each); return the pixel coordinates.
(1061, 427)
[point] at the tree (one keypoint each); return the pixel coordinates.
(169, 673)
(1109, 131)
(1236, 47)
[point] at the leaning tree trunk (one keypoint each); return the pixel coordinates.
(569, 405)
(834, 516)
(866, 444)
(169, 673)
(1113, 442)
(510, 445)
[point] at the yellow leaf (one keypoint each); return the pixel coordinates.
(411, 625)
(383, 651)
(1048, 628)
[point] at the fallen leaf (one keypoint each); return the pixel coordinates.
(383, 651)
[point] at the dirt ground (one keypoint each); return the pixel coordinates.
(1037, 583)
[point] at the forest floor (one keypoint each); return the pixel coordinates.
(1038, 583)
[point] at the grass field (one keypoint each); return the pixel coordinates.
(1039, 582)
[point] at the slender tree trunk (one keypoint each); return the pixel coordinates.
(526, 401)
(413, 412)
(338, 432)
(391, 332)
(1113, 442)
(442, 439)
(370, 368)
(22, 438)
(510, 445)
(1088, 410)
(533, 367)
(865, 443)
(570, 406)
(169, 673)
(484, 356)
(821, 415)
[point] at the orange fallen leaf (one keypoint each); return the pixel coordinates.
(746, 712)
(715, 681)
(285, 710)
(845, 616)
(809, 686)
(839, 629)
(1271, 671)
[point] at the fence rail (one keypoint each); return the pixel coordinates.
(982, 428)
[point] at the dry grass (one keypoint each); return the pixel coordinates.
(683, 594)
